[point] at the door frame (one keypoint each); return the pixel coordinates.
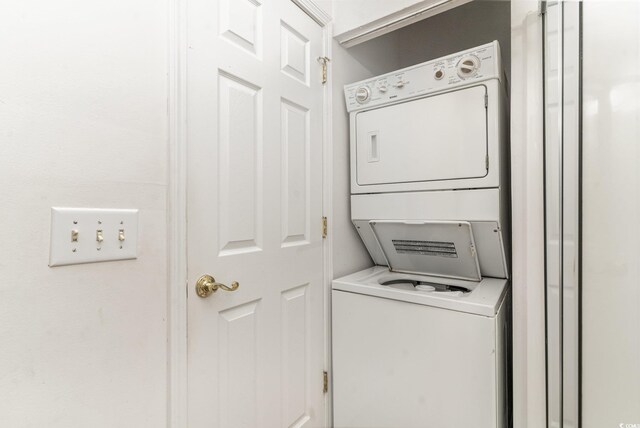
(177, 393)
(527, 214)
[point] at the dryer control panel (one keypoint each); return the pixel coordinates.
(473, 65)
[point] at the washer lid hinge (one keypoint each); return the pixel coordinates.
(325, 382)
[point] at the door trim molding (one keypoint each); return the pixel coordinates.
(527, 213)
(314, 11)
(177, 406)
(563, 211)
(327, 211)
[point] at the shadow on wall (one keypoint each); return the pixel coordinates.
(464, 27)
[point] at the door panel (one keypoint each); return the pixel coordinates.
(295, 174)
(240, 148)
(388, 150)
(295, 354)
(254, 114)
(294, 55)
(237, 349)
(241, 24)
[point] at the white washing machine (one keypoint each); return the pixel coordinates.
(418, 351)
(422, 338)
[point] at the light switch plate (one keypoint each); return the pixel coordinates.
(88, 235)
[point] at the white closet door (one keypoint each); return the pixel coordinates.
(254, 214)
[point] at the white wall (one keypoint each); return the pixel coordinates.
(611, 208)
(83, 123)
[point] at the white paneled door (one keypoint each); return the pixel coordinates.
(254, 129)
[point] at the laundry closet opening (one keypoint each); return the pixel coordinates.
(469, 25)
(422, 236)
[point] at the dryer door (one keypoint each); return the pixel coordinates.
(441, 137)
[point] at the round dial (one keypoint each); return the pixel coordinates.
(363, 93)
(468, 66)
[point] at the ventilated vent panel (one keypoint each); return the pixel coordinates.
(426, 248)
(438, 248)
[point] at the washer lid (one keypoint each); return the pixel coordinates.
(438, 248)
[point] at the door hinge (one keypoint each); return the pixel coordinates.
(323, 60)
(324, 227)
(325, 382)
(486, 162)
(486, 100)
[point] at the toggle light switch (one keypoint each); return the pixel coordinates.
(107, 225)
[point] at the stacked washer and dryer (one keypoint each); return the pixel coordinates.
(422, 339)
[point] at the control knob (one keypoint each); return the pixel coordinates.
(468, 66)
(363, 93)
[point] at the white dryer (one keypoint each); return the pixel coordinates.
(421, 340)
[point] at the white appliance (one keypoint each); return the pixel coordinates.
(421, 340)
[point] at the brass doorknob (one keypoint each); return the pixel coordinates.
(206, 285)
